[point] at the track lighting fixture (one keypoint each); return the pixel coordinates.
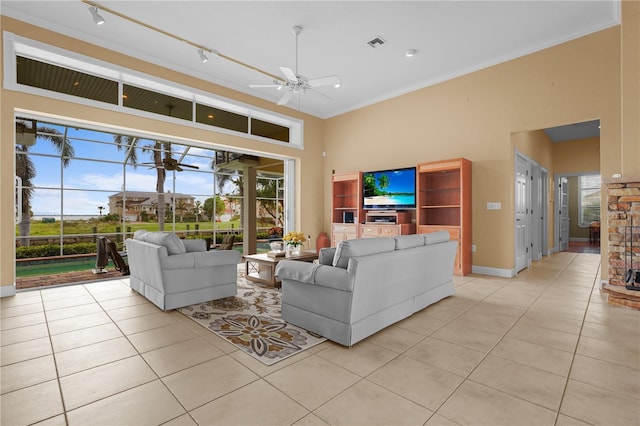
(203, 51)
(203, 57)
(99, 20)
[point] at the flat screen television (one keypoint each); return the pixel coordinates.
(389, 189)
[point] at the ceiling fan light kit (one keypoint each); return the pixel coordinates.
(297, 83)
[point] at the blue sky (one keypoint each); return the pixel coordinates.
(88, 176)
(399, 180)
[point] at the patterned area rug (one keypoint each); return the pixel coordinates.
(252, 321)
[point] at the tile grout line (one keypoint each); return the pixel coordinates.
(401, 354)
(55, 363)
(467, 377)
(497, 343)
(566, 384)
(139, 354)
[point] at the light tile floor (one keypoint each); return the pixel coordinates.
(543, 348)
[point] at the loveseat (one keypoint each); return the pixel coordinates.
(172, 273)
(364, 285)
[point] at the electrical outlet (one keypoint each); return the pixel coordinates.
(473, 248)
(494, 206)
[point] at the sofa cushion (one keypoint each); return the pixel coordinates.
(169, 240)
(436, 237)
(325, 256)
(408, 241)
(361, 247)
(139, 234)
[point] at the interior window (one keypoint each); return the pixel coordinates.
(589, 199)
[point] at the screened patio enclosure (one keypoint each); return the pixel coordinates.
(74, 184)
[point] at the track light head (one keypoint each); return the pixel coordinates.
(99, 20)
(203, 57)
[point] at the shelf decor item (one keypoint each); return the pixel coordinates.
(277, 249)
(322, 241)
(294, 241)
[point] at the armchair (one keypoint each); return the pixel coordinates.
(172, 273)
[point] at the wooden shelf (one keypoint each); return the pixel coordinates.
(444, 200)
(346, 196)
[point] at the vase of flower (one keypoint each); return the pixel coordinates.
(294, 241)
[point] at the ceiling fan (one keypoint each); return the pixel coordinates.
(171, 164)
(295, 83)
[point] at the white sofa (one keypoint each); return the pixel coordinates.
(364, 285)
(172, 273)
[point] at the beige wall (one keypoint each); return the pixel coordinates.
(309, 164)
(577, 156)
(475, 115)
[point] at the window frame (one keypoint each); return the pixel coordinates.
(582, 188)
(15, 45)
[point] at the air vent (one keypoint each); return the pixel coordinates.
(377, 41)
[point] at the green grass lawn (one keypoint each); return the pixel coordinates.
(74, 227)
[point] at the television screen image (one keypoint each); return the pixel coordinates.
(390, 189)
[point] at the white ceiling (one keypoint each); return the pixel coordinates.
(452, 38)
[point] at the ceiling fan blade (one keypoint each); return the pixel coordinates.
(189, 166)
(321, 95)
(331, 80)
(265, 85)
(285, 98)
(289, 74)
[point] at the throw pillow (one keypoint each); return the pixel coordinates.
(436, 237)
(171, 241)
(409, 241)
(361, 247)
(325, 256)
(139, 234)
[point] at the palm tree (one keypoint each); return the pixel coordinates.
(383, 183)
(130, 143)
(197, 208)
(26, 170)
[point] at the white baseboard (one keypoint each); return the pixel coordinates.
(496, 272)
(8, 290)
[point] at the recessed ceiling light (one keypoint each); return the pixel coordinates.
(410, 53)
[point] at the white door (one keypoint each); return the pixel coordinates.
(544, 211)
(536, 218)
(522, 200)
(564, 213)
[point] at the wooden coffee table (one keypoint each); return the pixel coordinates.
(260, 268)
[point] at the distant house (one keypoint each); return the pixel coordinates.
(138, 204)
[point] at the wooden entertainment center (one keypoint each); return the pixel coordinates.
(443, 202)
(387, 223)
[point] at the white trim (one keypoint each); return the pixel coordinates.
(14, 44)
(8, 290)
(289, 195)
(496, 272)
